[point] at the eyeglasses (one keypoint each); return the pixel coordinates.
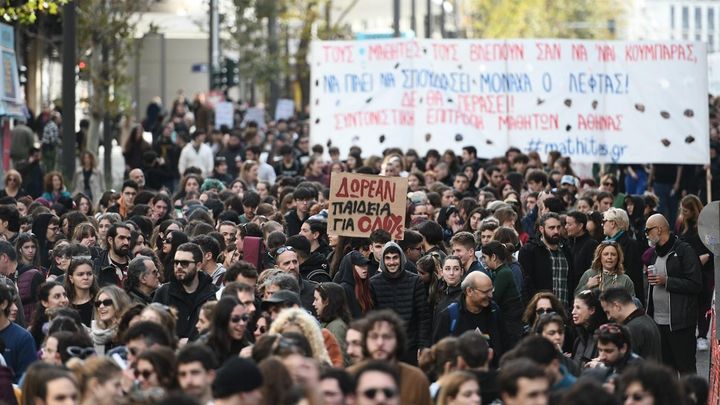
(388, 393)
(648, 230)
(543, 311)
(108, 303)
(608, 184)
(609, 242)
(146, 374)
(183, 263)
(238, 319)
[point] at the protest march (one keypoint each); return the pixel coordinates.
(452, 221)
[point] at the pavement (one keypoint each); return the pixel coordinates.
(703, 363)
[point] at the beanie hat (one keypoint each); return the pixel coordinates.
(236, 376)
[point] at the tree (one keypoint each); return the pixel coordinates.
(106, 31)
(583, 19)
(26, 12)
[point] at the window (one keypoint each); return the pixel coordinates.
(685, 18)
(711, 43)
(672, 17)
(710, 19)
(698, 24)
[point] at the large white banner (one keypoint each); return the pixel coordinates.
(595, 101)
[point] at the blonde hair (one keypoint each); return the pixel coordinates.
(450, 385)
(309, 328)
(120, 300)
(597, 258)
(619, 216)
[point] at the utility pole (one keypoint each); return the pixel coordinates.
(396, 18)
(429, 22)
(274, 51)
(214, 54)
(68, 89)
(442, 20)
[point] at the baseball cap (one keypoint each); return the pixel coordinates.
(357, 259)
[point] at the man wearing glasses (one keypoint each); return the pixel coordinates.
(189, 290)
(475, 310)
(675, 281)
(377, 383)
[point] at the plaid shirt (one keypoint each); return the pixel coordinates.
(560, 269)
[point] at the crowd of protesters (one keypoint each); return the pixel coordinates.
(209, 277)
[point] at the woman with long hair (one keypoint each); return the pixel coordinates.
(54, 187)
(690, 207)
(13, 185)
(227, 329)
(81, 287)
(249, 174)
(332, 310)
(158, 236)
(110, 303)
(134, 148)
(429, 268)
(167, 255)
(543, 302)
(41, 380)
(587, 316)
(100, 380)
(84, 204)
(105, 221)
(355, 279)
(189, 185)
(51, 295)
(606, 270)
(88, 179)
(299, 320)
(30, 275)
(459, 388)
(86, 235)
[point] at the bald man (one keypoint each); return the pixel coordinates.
(474, 310)
(675, 281)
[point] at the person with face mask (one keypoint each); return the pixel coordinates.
(675, 280)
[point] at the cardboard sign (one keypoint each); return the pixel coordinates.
(361, 203)
(255, 114)
(594, 101)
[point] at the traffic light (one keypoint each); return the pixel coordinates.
(83, 71)
(232, 77)
(217, 77)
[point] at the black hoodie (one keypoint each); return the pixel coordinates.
(173, 294)
(345, 278)
(39, 229)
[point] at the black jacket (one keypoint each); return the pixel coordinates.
(684, 283)
(106, 272)
(346, 279)
(187, 305)
(633, 262)
(308, 269)
(307, 294)
(446, 295)
(293, 222)
(534, 258)
(489, 321)
(404, 293)
(582, 250)
(644, 335)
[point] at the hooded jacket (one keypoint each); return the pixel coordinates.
(404, 293)
(188, 306)
(308, 268)
(345, 278)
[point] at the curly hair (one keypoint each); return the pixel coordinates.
(310, 329)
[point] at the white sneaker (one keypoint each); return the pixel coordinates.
(702, 344)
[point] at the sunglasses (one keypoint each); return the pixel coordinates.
(371, 393)
(283, 249)
(183, 263)
(146, 374)
(168, 241)
(608, 184)
(648, 230)
(610, 328)
(543, 311)
(609, 242)
(108, 303)
(260, 329)
(80, 352)
(238, 319)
